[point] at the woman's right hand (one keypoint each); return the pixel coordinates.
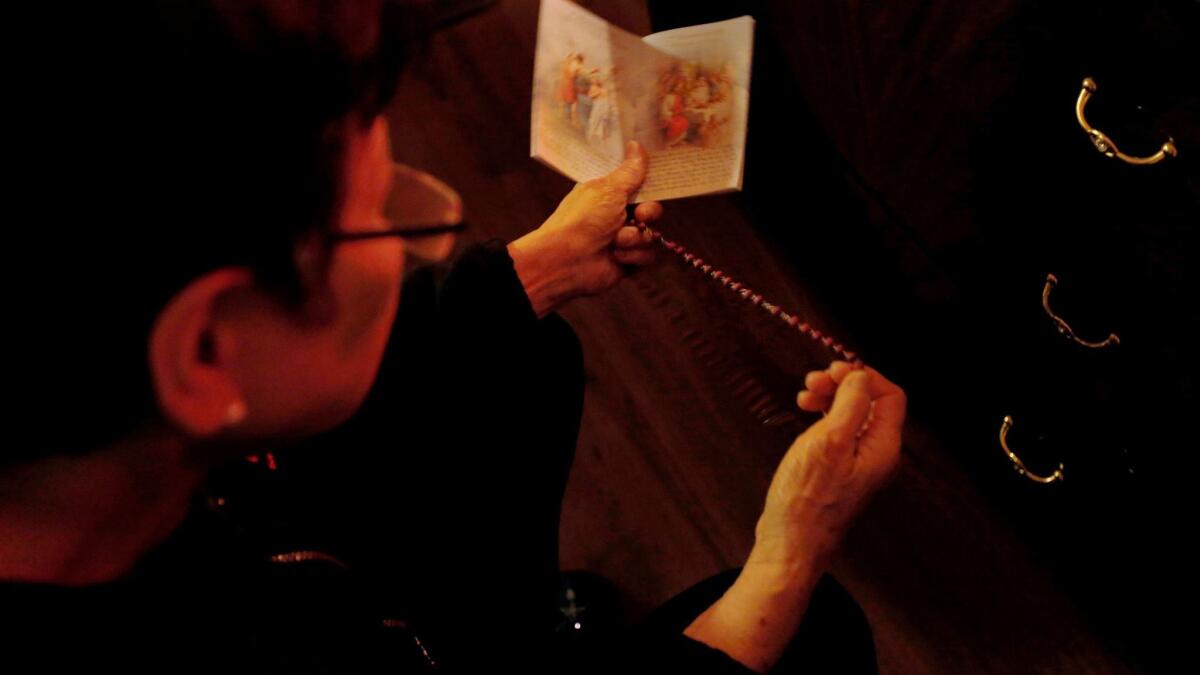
(833, 468)
(824, 480)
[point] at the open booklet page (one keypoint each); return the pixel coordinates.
(683, 94)
(691, 112)
(576, 126)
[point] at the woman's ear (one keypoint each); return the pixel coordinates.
(191, 355)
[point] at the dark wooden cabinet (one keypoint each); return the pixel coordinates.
(922, 164)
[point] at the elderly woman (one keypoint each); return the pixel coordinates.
(230, 284)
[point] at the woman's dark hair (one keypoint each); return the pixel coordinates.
(158, 141)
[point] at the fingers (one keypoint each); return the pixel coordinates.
(632, 237)
(818, 392)
(813, 402)
(639, 257)
(648, 212)
(890, 400)
(838, 370)
(633, 247)
(629, 175)
(851, 406)
(891, 404)
(820, 383)
(878, 384)
(820, 386)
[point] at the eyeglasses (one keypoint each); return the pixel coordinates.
(421, 210)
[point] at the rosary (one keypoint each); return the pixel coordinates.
(792, 320)
(756, 299)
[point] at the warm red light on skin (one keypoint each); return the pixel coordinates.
(221, 345)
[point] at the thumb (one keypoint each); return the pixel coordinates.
(629, 175)
(851, 405)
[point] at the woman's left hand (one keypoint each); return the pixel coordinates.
(587, 245)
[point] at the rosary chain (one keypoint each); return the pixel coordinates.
(791, 319)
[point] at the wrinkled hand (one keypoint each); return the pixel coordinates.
(825, 478)
(833, 468)
(587, 245)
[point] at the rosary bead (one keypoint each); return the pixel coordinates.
(754, 298)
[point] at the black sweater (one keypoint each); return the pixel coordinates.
(420, 536)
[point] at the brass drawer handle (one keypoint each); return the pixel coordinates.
(1064, 328)
(1018, 464)
(1104, 144)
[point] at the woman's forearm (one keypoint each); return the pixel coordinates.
(757, 617)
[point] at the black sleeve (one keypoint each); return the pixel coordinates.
(487, 332)
(454, 320)
(675, 653)
(481, 297)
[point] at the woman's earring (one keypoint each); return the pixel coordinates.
(235, 414)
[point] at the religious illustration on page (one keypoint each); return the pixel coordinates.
(683, 94)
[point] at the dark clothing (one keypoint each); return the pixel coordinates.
(834, 636)
(420, 536)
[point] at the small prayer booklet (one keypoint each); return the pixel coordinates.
(684, 94)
